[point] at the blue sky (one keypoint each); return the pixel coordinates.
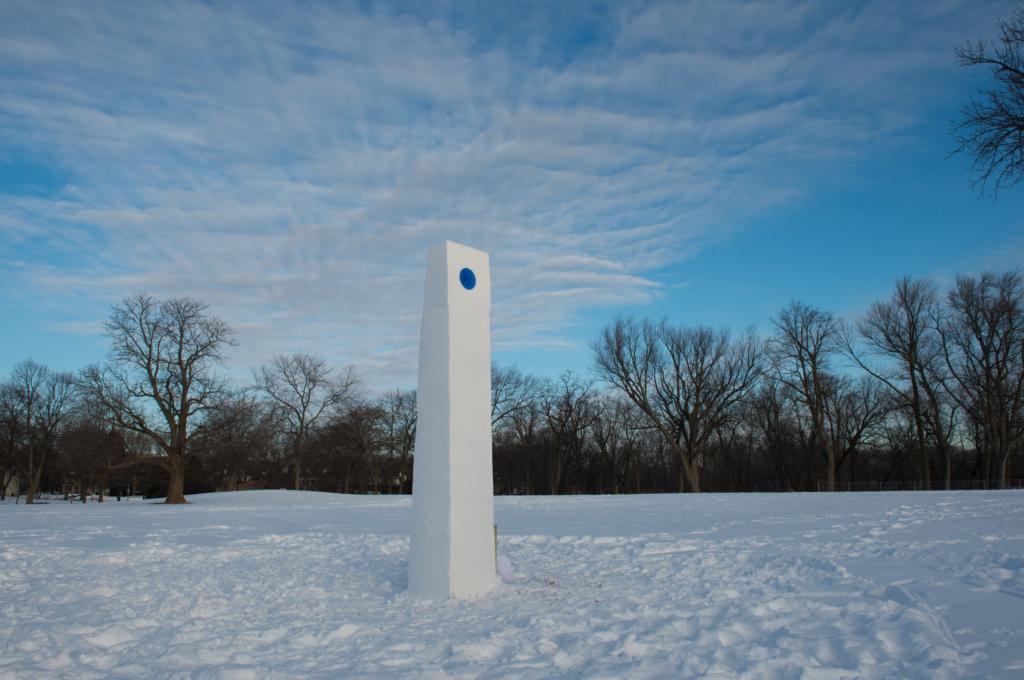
(290, 164)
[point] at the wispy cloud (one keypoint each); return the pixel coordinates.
(290, 164)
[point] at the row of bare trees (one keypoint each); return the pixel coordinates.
(157, 400)
(924, 389)
(947, 372)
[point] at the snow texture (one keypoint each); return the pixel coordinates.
(266, 584)
(452, 552)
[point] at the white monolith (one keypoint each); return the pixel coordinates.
(452, 549)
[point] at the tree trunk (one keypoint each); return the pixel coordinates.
(176, 479)
(922, 447)
(945, 451)
(556, 478)
(298, 474)
(30, 492)
(33, 485)
(830, 457)
(529, 483)
(688, 473)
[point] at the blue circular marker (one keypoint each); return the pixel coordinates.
(467, 278)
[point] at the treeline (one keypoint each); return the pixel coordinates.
(926, 390)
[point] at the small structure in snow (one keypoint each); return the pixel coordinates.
(452, 553)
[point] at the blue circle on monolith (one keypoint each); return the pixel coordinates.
(467, 278)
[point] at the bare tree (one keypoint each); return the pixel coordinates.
(360, 434)
(903, 331)
(10, 434)
(160, 374)
(511, 390)
(992, 129)
(687, 381)
(398, 414)
(304, 388)
(617, 434)
(92, 451)
(770, 411)
(983, 347)
(44, 399)
(855, 411)
(522, 436)
(236, 437)
(806, 338)
(569, 410)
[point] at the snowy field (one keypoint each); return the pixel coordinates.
(267, 584)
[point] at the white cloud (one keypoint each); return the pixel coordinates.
(291, 165)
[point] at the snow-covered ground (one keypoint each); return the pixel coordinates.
(265, 584)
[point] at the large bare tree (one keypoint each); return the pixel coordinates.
(687, 381)
(161, 374)
(983, 347)
(304, 388)
(992, 128)
(805, 341)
